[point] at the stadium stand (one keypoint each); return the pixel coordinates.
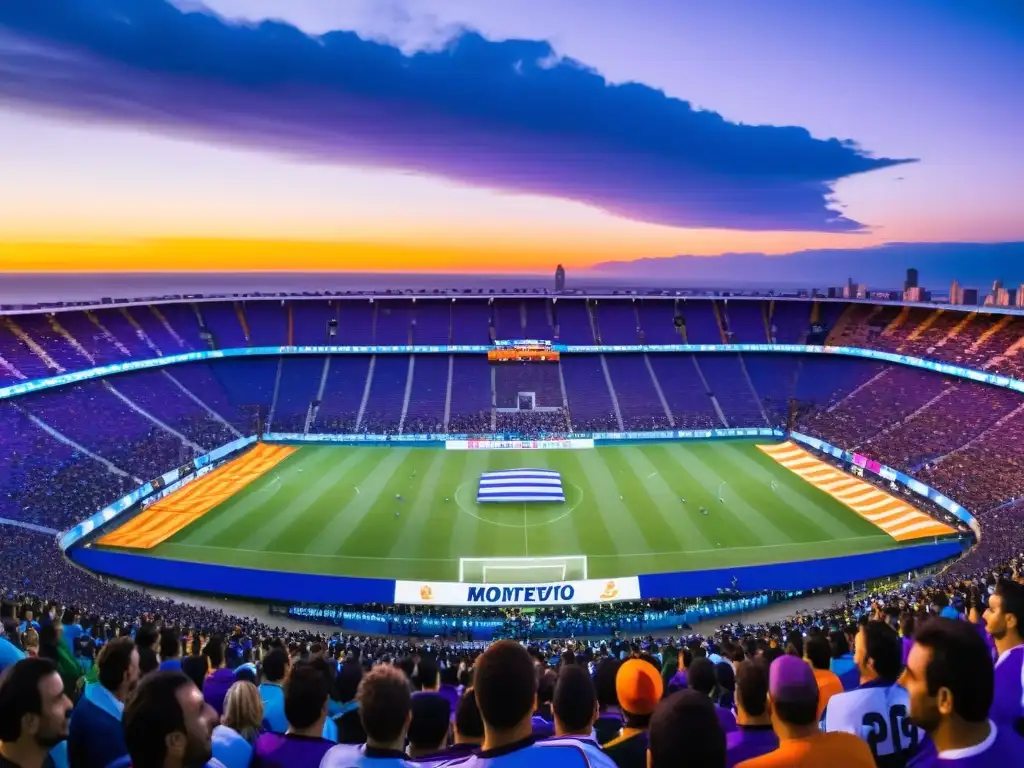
(69, 451)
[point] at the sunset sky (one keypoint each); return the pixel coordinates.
(491, 135)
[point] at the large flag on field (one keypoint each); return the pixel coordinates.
(521, 485)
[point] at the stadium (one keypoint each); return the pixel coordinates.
(389, 448)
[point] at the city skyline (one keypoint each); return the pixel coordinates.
(426, 136)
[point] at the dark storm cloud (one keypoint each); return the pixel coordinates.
(509, 115)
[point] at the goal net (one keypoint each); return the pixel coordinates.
(522, 570)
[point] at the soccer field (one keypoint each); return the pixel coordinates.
(334, 510)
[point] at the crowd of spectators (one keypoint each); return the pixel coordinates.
(84, 692)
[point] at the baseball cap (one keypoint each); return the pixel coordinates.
(791, 680)
(638, 686)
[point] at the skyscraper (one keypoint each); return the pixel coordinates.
(911, 281)
(559, 278)
(956, 294)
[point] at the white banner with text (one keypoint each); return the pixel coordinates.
(556, 593)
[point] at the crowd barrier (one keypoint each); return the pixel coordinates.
(284, 587)
(25, 387)
(145, 492)
(893, 476)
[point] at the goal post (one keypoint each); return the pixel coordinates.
(522, 570)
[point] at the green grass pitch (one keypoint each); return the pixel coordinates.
(331, 509)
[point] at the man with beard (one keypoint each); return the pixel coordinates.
(95, 736)
(33, 713)
(168, 724)
(1004, 620)
(949, 678)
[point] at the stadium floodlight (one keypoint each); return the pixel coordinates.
(522, 570)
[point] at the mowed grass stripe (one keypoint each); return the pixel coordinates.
(377, 531)
(812, 504)
(722, 526)
(426, 509)
(313, 488)
(642, 501)
(463, 539)
(742, 502)
(602, 496)
(556, 537)
(311, 510)
(589, 523)
(382, 480)
(221, 526)
(668, 502)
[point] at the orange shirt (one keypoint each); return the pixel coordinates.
(832, 750)
(829, 685)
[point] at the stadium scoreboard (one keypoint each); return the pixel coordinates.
(522, 350)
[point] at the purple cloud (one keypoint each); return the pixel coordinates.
(508, 115)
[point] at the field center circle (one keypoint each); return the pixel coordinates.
(562, 514)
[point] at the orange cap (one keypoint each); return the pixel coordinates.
(639, 687)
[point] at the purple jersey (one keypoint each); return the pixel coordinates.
(1008, 704)
(1002, 748)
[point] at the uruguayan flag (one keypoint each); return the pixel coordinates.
(521, 485)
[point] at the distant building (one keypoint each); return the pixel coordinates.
(916, 293)
(861, 291)
(911, 281)
(834, 293)
(969, 296)
(956, 294)
(1000, 297)
(1020, 296)
(850, 291)
(559, 278)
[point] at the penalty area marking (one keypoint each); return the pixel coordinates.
(524, 525)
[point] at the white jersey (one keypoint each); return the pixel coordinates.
(877, 712)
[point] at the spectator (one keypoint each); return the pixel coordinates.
(195, 668)
(10, 653)
(842, 664)
(33, 713)
(220, 679)
(51, 646)
(685, 731)
(305, 706)
(468, 725)
(449, 687)
(543, 721)
(639, 688)
(702, 678)
(167, 723)
(430, 725)
(346, 685)
(609, 718)
(818, 654)
(506, 690)
(30, 643)
(754, 735)
(385, 708)
(170, 650)
(428, 674)
(575, 709)
(879, 700)
(96, 735)
(1004, 621)
(275, 669)
(147, 640)
(233, 739)
(950, 679)
(793, 701)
